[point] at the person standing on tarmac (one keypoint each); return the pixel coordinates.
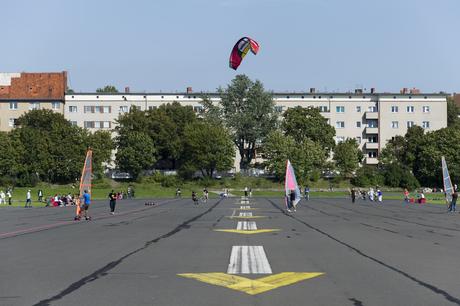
(86, 203)
(28, 199)
(112, 202)
(353, 195)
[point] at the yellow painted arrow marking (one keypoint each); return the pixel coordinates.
(252, 286)
(247, 232)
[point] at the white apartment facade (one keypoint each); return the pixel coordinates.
(372, 119)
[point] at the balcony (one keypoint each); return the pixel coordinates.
(372, 115)
(372, 130)
(372, 145)
(372, 161)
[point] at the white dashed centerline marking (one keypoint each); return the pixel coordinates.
(245, 214)
(246, 226)
(248, 260)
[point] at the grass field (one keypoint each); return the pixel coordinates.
(155, 190)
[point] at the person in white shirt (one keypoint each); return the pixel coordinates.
(28, 199)
(371, 194)
(2, 197)
(9, 195)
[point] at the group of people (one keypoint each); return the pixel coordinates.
(6, 198)
(373, 195)
(204, 199)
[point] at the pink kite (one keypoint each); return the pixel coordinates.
(240, 50)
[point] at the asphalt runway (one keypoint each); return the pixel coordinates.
(231, 252)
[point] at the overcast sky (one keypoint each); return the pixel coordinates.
(167, 45)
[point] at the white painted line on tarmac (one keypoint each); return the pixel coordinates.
(245, 214)
(246, 226)
(245, 207)
(248, 260)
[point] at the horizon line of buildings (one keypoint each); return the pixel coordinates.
(369, 117)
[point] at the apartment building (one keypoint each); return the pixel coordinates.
(21, 92)
(370, 118)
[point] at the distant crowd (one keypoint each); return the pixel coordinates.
(58, 200)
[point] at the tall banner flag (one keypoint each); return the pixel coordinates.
(448, 189)
(87, 173)
(290, 183)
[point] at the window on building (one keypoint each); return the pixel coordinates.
(340, 124)
(107, 110)
(373, 139)
(358, 139)
(426, 124)
(410, 124)
(410, 109)
(12, 122)
(340, 109)
(88, 124)
(123, 109)
(13, 105)
(106, 124)
(372, 109)
(88, 109)
(426, 109)
(372, 154)
(340, 139)
(97, 124)
(279, 109)
(323, 109)
(358, 124)
(73, 123)
(72, 109)
(358, 109)
(199, 109)
(372, 123)
(394, 124)
(97, 109)
(55, 105)
(394, 109)
(34, 105)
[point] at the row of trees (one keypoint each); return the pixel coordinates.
(47, 147)
(172, 137)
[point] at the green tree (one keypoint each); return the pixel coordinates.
(347, 157)
(306, 157)
(102, 145)
(394, 151)
(247, 110)
(397, 175)
(302, 123)
(434, 145)
(10, 158)
(54, 149)
(167, 128)
(404, 149)
(367, 176)
(135, 153)
(107, 89)
(209, 148)
(452, 112)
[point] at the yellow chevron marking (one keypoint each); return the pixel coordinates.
(252, 286)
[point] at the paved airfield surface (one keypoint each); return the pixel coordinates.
(231, 252)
